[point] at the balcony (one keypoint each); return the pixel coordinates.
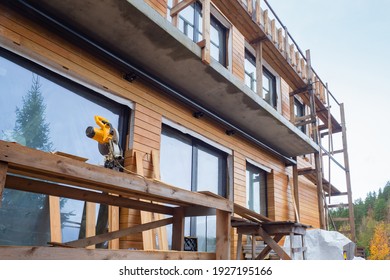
(138, 35)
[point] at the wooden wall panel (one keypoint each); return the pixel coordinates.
(151, 105)
(159, 5)
(238, 54)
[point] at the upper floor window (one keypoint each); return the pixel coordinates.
(256, 189)
(299, 111)
(190, 23)
(191, 164)
(48, 112)
(269, 91)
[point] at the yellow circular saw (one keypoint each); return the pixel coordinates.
(108, 142)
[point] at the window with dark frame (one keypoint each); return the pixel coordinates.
(269, 80)
(67, 109)
(190, 23)
(299, 111)
(256, 189)
(201, 168)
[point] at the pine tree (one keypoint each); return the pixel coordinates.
(23, 208)
(31, 127)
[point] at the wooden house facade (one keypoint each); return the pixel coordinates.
(180, 82)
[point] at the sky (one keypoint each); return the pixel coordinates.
(349, 41)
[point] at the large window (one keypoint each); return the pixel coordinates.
(269, 91)
(190, 23)
(256, 189)
(194, 165)
(45, 111)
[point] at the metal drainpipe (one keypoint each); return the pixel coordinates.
(166, 88)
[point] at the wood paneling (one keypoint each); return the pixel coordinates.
(151, 105)
(159, 5)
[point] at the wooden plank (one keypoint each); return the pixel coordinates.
(55, 219)
(146, 217)
(239, 247)
(222, 247)
(178, 230)
(175, 18)
(268, 248)
(90, 218)
(113, 225)
(273, 244)
(56, 253)
(38, 164)
(81, 243)
(258, 12)
(3, 175)
(249, 214)
(19, 183)
(206, 56)
(180, 7)
(259, 68)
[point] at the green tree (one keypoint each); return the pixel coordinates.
(24, 216)
(31, 128)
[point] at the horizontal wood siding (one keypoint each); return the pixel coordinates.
(151, 105)
(159, 5)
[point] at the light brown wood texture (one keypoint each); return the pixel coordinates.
(57, 253)
(55, 219)
(50, 49)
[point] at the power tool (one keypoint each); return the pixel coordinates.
(108, 142)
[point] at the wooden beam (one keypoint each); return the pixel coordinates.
(259, 68)
(42, 165)
(273, 244)
(178, 230)
(296, 191)
(81, 243)
(3, 175)
(258, 12)
(180, 6)
(239, 247)
(24, 184)
(113, 225)
(206, 55)
(222, 250)
(175, 18)
(57, 253)
(268, 248)
(90, 221)
(55, 219)
(249, 214)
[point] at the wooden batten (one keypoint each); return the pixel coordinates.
(206, 55)
(55, 219)
(90, 229)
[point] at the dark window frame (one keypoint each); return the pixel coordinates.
(299, 111)
(214, 22)
(92, 96)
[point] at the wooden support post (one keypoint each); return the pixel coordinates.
(222, 251)
(280, 40)
(3, 176)
(90, 224)
(317, 155)
(259, 68)
(253, 239)
(273, 31)
(55, 219)
(113, 225)
(250, 7)
(296, 190)
(266, 22)
(258, 12)
(175, 18)
(239, 246)
(178, 229)
(146, 217)
(206, 56)
(347, 173)
(286, 45)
